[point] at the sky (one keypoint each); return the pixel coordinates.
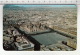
(45, 5)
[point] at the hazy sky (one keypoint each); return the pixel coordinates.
(45, 5)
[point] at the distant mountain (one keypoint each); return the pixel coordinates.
(10, 6)
(46, 8)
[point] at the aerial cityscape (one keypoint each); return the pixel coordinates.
(39, 27)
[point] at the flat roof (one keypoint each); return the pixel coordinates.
(49, 38)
